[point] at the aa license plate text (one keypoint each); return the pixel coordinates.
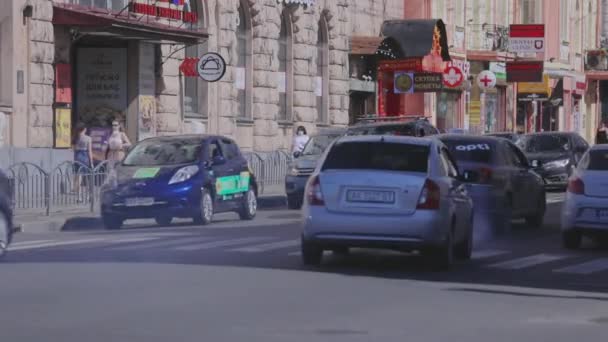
(139, 202)
(370, 196)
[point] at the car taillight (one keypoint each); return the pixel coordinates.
(576, 186)
(485, 175)
(315, 195)
(430, 196)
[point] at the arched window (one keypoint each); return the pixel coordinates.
(322, 79)
(196, 90)
(285, 75)
(244, 70)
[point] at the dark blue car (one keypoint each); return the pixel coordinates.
(188, 176)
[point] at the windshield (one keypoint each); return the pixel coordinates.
(479, 151)
(544, 143)
(318, 143)
(157, 152)
(378, 156)
(598, 160)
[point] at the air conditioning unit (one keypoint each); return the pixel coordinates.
(596, 60)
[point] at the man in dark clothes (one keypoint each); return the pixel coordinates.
(601, 137)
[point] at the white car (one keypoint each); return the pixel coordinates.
(390, 192)
(585, 210)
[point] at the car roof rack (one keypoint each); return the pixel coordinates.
(378, 118)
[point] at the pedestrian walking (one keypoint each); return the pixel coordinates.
(601, 136)
(118, 142)
(83, 155)
(300, 140)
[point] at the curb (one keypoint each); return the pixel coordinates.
(92, 221)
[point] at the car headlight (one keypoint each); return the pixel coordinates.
(184, 174)
(111, 180)
(556, 164)
(294, 171)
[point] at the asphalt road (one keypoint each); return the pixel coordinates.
(236, 281)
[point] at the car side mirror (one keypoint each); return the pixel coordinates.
(219, 160)
(297, 154)
(468, 176)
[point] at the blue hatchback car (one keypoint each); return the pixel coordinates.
(187, 176)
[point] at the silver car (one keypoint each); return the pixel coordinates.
(585, 210)
(390, 192)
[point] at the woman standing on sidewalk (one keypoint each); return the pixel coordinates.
(601, 137)
(117, 144)
(83, 155)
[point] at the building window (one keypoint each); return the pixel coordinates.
(195, 89)
(564, 21)
(322, 79)
(244, 70)
(285, 76)
(113, 5)
(528, 12)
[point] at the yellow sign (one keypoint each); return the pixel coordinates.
(535, 87)
(475, 113)
(63, 128)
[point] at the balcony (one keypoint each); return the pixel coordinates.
(487, 37)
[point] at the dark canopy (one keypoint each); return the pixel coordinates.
(414, 37)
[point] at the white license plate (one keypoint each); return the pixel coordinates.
(139, 201)
(370, 196)
(602, 214)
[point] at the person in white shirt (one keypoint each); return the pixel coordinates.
(300, 140)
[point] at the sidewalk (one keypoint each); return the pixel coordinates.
(71, 218)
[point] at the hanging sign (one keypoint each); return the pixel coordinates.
(526, 38)
(525, 71)
(404, 82)
(452, 77)
(211, 67)
(486, 80)
(428, 82)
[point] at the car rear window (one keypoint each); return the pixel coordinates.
(598, 160)
(471, 150)
(404, 129)
(377, 156)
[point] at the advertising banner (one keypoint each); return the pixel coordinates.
(63, 128)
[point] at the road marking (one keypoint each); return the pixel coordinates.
(157, 244)
(27, 243)
(221, 243)
(517, 264)
(268, 246)
(54, 244)
(593, 266)
(487, 253)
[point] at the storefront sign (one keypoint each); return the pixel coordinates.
(147, 92)
(463, 65)
(404, 83)
(486, 80)
(102, 85)
(499, 69)
(63, 128)
(63, 83)
(474, 113)
(407, 64)
(452, 77)
(297, 2)
(535, 87)
(428, 82)
(525, 38)
(525, 71)
(163, 12)
(211, 67)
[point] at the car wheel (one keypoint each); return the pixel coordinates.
(571, 239)
(312, 255)
(112, 222)
(163, 220)
(5, 234)
(464, 250)
(442, 257)
(536, 220)
(205, 213)
(294, 202)
(249, 207)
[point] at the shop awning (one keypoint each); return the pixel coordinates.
(362, 45)
(123, 26)
(534, 91)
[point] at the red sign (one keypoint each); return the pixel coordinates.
(452, 77)
(188, 67)
(164, 12)
(407, 64)
(527, 31)
(63, 83)
(525, 71)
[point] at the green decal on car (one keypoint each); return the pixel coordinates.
(147, 172)
(232, 184)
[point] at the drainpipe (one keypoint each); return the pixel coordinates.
(28, 11)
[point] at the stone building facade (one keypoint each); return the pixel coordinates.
(287, 65)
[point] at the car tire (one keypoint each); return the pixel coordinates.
(205, 211)
(572, 239)
(312, 255)
(5, 233)
(536, 220)
(442, 257)
(112, 222)
(294, 202)
(163, 220)
(464, 250)
(249, 207)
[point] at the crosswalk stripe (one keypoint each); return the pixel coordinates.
(268, 246)
(517, 264)
(221, 243)
(156, 244)
(54, 244)
(589, 267)
(488, 253)
(27, 243)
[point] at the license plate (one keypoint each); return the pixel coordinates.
(370, 196)
(602, 214)
(139, 202)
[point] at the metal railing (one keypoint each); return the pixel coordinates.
(74, 186)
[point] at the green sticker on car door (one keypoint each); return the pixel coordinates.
(229, 185)
(146, 172)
